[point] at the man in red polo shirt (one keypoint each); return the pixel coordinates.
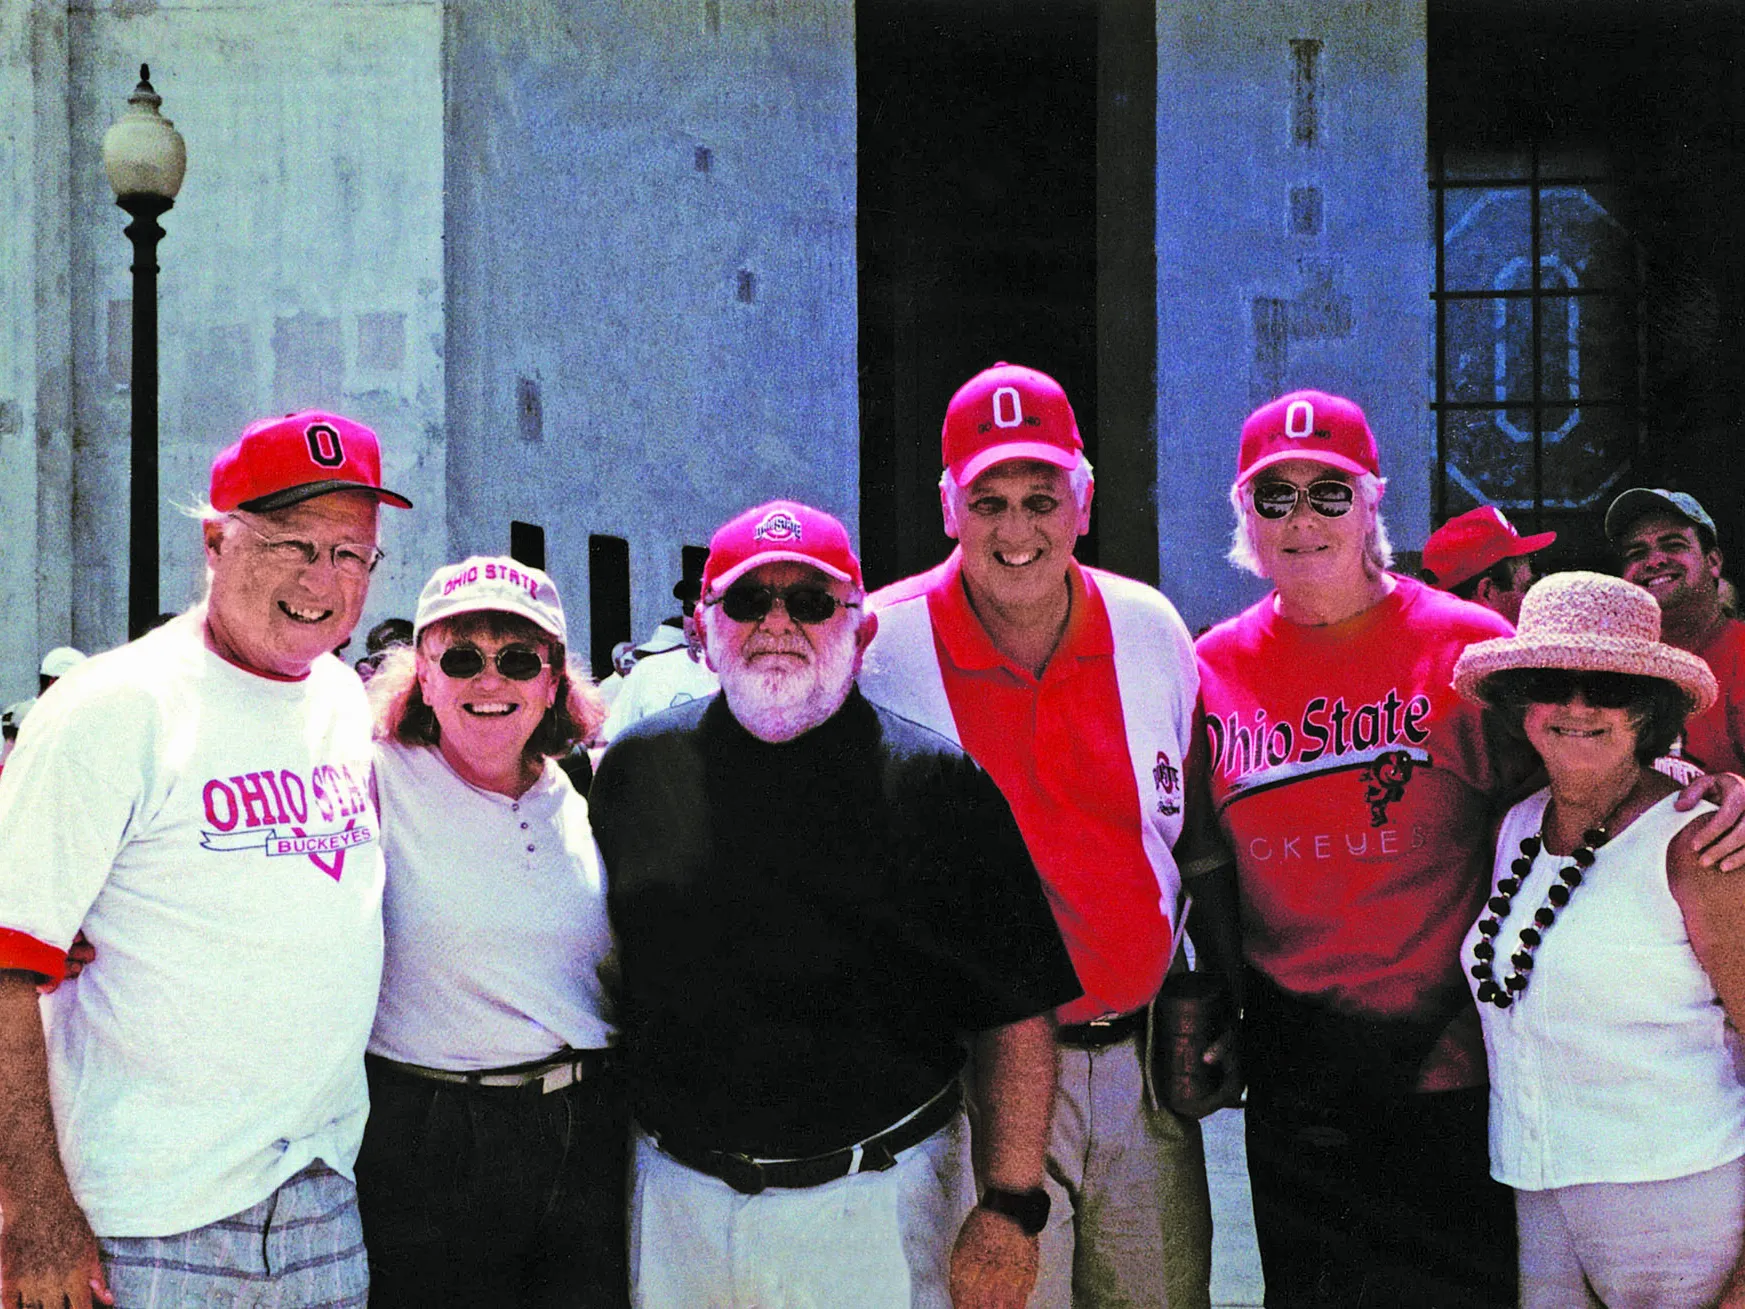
(1075, 689)
(1479, 556)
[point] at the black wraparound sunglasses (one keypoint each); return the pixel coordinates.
(1601, 690)
(805, 604)
(519, 663)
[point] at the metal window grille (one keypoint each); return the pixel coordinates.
(1539, 351)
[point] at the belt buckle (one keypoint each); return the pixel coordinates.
(740, 1171)
(555, 1079)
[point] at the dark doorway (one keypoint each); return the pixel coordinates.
(978, 235)
(1604, 141)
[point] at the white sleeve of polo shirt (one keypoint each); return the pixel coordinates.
(75, 790)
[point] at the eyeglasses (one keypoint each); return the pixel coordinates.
(804, 604)
(1601, 690)
(352, 559)
(519, 663)
(1329, 497)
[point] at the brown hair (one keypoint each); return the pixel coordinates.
(402, 714)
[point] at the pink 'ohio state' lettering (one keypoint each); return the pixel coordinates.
(215, 791)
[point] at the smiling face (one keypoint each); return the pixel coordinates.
(485, 720)
(277, 615)
(1305, 546)
(1017, 524)
(1663, 554)
(1577, 737)
(782, 678)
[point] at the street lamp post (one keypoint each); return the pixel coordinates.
(145, 158)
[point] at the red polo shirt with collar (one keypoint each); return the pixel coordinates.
(1057, 748)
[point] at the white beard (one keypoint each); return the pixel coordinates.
(777, 700)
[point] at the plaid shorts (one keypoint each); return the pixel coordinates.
(300, 1248)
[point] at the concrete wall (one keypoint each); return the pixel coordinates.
(1293, 250)
(35, 342)
(651, 262)
(302, 265)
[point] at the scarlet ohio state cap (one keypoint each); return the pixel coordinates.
(1008, 412)
(281, 461)
(782, 530)
(1466, 545)
(1307, 425)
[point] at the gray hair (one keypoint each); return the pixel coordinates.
(1079, 477)
(1377, 548)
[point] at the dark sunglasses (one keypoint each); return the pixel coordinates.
(1329, 498)
(1601, 690)
(805, 604)
(519, 663)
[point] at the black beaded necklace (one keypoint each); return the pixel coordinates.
(1568, 878)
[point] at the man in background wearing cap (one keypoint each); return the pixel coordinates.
(1479, 556)
(1075, 689)
(1667, 545)
(56, 664)
(201, 793)
(815, 902)
(668, 669)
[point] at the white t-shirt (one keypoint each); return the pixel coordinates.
(212, 832)
(659, 681)
(496, 919)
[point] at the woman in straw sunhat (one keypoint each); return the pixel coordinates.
(1607, 966)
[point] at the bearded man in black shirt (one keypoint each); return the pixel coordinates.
(820, 908)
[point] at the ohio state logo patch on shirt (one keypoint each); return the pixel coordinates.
(281, 813)
(1167, 778)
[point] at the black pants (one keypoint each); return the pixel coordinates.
(1384, 1202)
(501, 1197)
(1367, 1194)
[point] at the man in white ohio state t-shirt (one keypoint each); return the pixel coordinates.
(198, 803)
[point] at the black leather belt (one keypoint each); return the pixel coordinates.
(1100, 1033)
(565, 1068)
(749, 1176)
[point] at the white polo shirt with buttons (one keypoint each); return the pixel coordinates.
(495, 916)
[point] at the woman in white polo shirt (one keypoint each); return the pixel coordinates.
(1606, 966)
(493, 1164)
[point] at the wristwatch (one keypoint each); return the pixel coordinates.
(1029, 1209)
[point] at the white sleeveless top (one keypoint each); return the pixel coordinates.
(1615, 1065)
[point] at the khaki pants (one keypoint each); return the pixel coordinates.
(1131, 1222)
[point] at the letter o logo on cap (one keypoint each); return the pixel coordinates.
(325, 447)
(1307, 411)
(1016, 418)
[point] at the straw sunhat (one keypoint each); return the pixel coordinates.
(1590, 623)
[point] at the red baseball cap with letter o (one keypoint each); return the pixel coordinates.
(1328, 429)
(1469, 543)
(1008, 412)
(782, 530)
(279, 462)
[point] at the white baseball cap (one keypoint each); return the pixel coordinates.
(493, 583)
(61, 660)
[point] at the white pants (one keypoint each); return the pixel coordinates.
(1631, 1245)
(877, 1240)
(1131, 1220)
